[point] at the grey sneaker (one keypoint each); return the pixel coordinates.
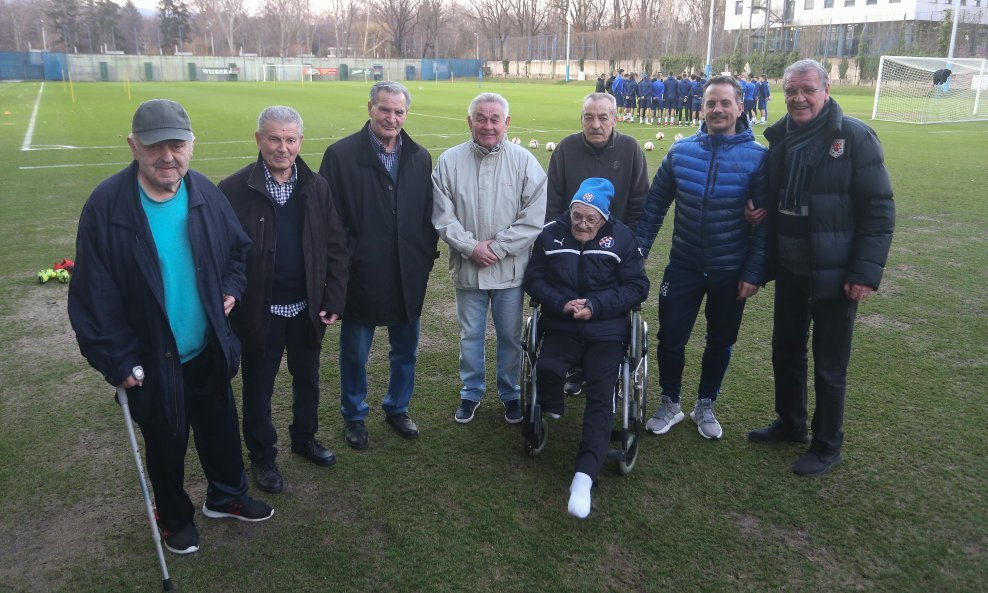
(706, 422)
(668, 415)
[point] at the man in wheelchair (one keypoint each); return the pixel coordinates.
(587, 274)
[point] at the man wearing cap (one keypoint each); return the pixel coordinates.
(715, 253)
(296, 287)
(159, 267)
(586, 273)
(488, 206)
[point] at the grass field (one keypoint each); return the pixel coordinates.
(462, 509)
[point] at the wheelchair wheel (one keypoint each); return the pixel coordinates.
(637, 380)
(535, 429)
(537, 435)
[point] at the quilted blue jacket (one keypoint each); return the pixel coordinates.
(711, 177)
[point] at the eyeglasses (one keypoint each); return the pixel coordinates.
(589, 221)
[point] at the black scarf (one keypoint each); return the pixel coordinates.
(796, 141)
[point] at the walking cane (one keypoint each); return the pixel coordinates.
(166, 582)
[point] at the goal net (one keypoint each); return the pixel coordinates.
(285, 73)
(920, 90)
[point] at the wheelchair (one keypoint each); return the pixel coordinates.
(630, 389)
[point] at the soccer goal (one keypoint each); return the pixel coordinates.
(284, 73)
(920, 90)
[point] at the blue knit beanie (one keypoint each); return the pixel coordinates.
(595, 192)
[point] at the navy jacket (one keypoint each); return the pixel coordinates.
(685, 87)
(849, 194)
(117, 301)
(711, 179)
(608, 271)
(672, 89)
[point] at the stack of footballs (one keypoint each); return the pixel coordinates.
(61, 271)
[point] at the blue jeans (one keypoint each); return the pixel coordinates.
(680, 295)
(505, 306)
(355, 344)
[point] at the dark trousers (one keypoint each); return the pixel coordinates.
(833, 326)
(600, 362)
(260, 370)
(212, 415)
(680, 295)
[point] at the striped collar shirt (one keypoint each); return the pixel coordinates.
(388, 159)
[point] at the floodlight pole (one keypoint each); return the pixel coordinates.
(710, 39)
(569, 25)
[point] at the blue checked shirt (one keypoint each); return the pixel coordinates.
(388, 159)
(280, 192)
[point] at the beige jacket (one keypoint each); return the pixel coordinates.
(479, 195)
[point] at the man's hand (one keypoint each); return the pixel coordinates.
(328, 320)
(131, 381)
(746, 290)
(228, 303)
(754, 215)
(482, 254)
(857, 292)
(578, 309)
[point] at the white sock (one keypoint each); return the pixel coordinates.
(579, 495)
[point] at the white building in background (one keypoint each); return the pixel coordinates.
(840, 27)
(750, 14)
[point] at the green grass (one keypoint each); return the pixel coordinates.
(462, 509)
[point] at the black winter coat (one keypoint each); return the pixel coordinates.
(849, 194)
(608, 271)
(117, 301)
(323, 250)
(390, 237)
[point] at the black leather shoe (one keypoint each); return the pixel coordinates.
(267, 477)
(812, 463)
(315, 452)
(403, 425)
(356, 435)
(778, 433)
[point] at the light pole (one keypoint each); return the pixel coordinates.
(710, 38)
(477, 36)
(569, 25)
(44, 37)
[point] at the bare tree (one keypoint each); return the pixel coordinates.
(585, 15)
(528, 16)
(398, 19)
(223, 18)
(289, 16)
(494, 21)
(432, 16)
(343, 14)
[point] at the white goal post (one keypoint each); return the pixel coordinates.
(284, 73)
(920, 90)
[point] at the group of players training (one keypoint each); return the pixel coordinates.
(677, 100)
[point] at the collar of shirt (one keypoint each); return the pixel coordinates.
(379, 146)
(280, 191)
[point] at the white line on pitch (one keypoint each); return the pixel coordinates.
(34, 116)
(195, 160)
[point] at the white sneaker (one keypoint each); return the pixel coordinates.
(706, 422)
(668, 415)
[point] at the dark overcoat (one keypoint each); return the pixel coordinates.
(388, 225)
